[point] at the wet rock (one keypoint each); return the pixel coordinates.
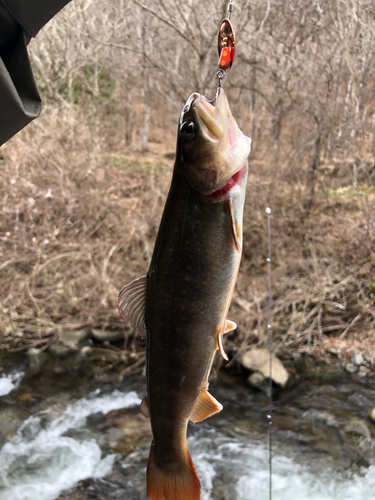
(37, 360)
(323, 417)
(71, 342)
(23, 396)
(297, 357)
(258, 381)
(357, 357)
(98, 489)
(368, 360)
(74, 339)
(289, 435)
(107, 335)
(351, 368)
(3, 439)
(363, 371)
(229, 379)
(371, 415)
(128, 428)
(60, 368)
(10, 421)
(59, 350)
(257, 360)
(106, 355)
(358, 427)
(84, 353)
(359, 446)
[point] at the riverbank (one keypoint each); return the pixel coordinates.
(79, 221)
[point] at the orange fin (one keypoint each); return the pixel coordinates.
(229, 326)
(205, 407)
(178, 482)
(235, 228)
(132, 303)
(221, 347)
(144, 407)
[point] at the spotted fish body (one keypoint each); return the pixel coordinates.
(183, 301)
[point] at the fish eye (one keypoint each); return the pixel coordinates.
(188, 130)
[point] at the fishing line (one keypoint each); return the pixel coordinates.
(269, 326)
(226, 50)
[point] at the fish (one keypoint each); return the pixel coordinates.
(181, 304)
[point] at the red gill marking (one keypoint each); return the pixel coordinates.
(231, 182)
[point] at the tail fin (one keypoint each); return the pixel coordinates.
(178, 482)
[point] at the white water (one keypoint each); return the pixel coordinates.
(40, 462)
(54, 450)
(241, 468)
(9, 382)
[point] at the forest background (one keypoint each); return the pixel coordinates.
(83, 187)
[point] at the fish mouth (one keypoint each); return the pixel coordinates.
(214, 157)
(217, 121)
(212, 129)
(231, 183)
(231, 146)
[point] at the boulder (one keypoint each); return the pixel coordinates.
(357, 357)
(371, 415)
(59, 350)
(71, 342)
(37, 359)
(351, 368)
(363, 371)
(107, 335)
(357, 427)
(258, 381)
(258, 360)
(76, 338)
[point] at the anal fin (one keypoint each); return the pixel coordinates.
(205, 407)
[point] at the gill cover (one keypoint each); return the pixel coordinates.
(210, 148)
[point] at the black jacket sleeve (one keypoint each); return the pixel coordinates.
(19, 98)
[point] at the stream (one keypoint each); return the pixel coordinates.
(72, 437)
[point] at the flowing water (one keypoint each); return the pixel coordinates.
(69, 437)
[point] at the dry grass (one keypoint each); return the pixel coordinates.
(79, 221)
(323, 270)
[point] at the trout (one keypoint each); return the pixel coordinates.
(181, 304)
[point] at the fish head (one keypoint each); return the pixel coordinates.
(211, 149)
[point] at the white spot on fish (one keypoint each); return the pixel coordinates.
(182, 381)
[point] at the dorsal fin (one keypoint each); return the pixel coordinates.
(132, 303)
(205, 407)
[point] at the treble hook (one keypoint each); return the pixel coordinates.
(226, 47)
(220, 77)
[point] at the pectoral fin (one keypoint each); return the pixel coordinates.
(132, 303)
(236, 227)
(205, 407)
(229, 326)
